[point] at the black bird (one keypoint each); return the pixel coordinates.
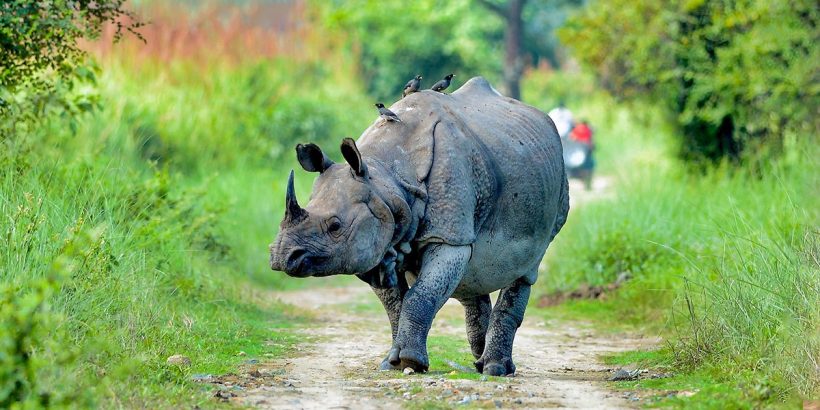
(386, 114)
(443, 84)
(411, 86)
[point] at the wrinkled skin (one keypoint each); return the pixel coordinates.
(458, 200)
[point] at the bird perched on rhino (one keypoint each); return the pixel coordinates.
(443, 84)
(412, 86)
(386, 114)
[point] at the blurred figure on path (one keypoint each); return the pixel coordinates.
(562, 117)
(582, 134)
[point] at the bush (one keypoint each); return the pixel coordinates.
(733, 256)
(735, 75)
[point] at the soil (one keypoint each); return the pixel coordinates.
(336, 368)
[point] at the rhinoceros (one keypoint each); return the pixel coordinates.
(458, 200)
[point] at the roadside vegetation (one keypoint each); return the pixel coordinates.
(723, 264)
(720, 243)
(138, 196)
(141, 183)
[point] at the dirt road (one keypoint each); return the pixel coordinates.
(336, 367)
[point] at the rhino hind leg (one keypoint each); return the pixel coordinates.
(391, 300)
(477, 317)
(506, 317)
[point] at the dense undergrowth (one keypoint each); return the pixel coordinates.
(137, 229)
(723, 262)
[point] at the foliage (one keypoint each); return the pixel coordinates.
(723, 263)
(542, 19)
(25, 324)
(734, 74)
(170, 177)
(153, 252)
(459, 37)
(239, 144)
(43, 70)
(398, 40)
(254, 113)
(113, 268)
(38, 39)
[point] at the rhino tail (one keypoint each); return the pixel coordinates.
(563, 207)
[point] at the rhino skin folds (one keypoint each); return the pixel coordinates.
(459, 199)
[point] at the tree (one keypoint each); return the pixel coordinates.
(517, 41)
(735, 74)
(397, 40)
(38, 39)
(542, 19)
(511, 13)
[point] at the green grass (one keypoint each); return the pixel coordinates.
(136, 271)
(707, 387)
(139, 230)
(742, 281)
(724, 264)
(446, 349)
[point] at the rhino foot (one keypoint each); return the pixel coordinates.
(416, 360)
(502, 367)
(392, 357)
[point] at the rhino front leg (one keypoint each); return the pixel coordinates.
(505, 319)
(391, 300)
(477, 317)
(442, 267)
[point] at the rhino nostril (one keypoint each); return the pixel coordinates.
(296, 253)
(295, 256)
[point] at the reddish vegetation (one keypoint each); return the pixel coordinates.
(229, 33)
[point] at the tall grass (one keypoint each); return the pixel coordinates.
(724, 262)
(136, 271)
(234, 129)
(138, 230)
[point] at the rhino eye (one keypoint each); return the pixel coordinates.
(334, 226)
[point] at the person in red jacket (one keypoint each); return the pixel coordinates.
(583, 134)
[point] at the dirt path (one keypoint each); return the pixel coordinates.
(603, 187)
(336, 368)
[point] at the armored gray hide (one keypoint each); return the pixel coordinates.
(476, 190)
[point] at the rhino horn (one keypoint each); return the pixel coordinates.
(293, 212)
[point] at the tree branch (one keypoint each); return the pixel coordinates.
(495, 8)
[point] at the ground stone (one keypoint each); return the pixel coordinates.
(178, 360)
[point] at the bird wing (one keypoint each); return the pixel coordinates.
(389, 114)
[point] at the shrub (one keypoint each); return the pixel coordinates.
(735, 75)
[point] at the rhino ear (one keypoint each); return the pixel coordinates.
(353, 157)
(312, 158)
